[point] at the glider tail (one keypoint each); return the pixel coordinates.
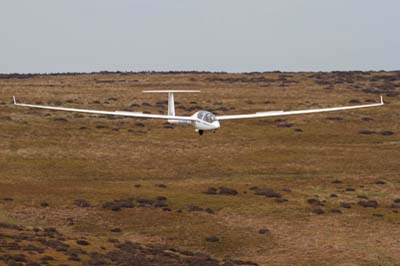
(171, 103)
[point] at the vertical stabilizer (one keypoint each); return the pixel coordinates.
(171, 104)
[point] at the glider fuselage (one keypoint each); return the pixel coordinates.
(205, 120)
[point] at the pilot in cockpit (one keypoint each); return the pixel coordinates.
(207, 118)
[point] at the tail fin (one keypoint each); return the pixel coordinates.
(171, 103)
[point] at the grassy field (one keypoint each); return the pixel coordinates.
(334, 176)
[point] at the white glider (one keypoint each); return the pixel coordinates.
(201, 120)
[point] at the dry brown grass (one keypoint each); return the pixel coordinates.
(45, 158)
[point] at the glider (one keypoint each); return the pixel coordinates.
(201, 120)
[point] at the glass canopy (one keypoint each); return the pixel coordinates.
(206, 116)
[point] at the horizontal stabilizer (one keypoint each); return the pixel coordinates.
(169, 91)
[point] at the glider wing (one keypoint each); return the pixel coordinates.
(119, 113)
(296, 112)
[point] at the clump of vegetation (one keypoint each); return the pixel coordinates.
(221, 191)
(82, 203)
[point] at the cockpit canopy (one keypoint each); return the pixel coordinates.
(206, 116)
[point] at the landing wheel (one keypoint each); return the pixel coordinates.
(200, 132)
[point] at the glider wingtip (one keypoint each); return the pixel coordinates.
(382, 100)
(15, 102)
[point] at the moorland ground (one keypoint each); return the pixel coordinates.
(319, 189)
